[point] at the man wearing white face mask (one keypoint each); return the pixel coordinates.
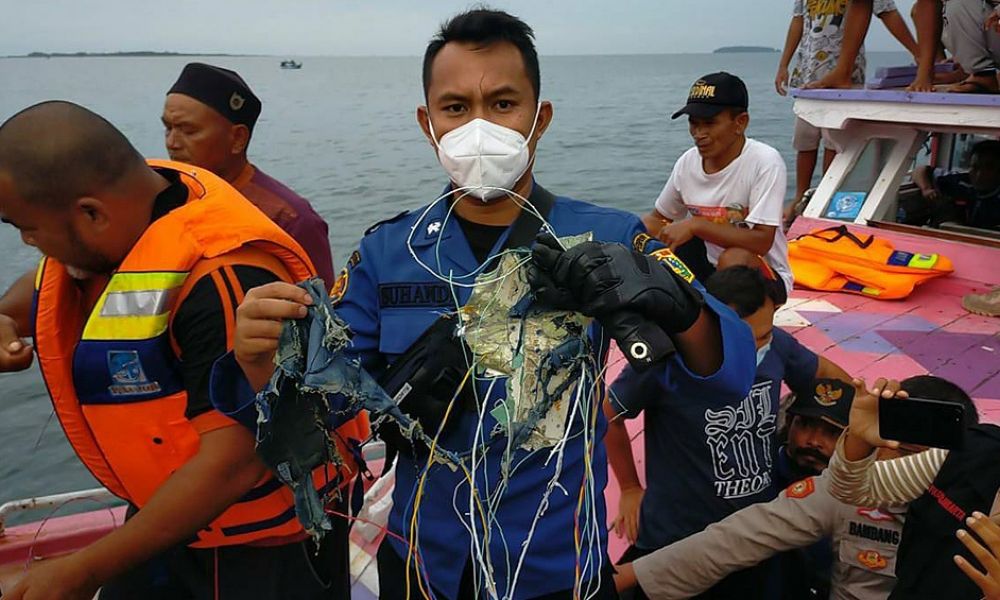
(545, 535)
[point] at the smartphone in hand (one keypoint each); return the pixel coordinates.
(922, 421)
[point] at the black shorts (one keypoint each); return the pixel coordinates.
(295, 571)
(695, 256)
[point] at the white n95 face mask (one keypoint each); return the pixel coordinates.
(484, 159)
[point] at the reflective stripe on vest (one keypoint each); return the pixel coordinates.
(125, 347)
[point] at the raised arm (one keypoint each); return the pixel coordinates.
(855, 476)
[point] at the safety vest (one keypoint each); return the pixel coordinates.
(836, 260)
(114, 376)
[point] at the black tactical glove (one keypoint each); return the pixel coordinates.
(599, 279)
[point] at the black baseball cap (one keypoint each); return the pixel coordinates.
(714, 93)
(827, 399)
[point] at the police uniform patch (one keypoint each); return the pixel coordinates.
(640, 241)
(665, 256)
(355, 259)
(801, 489)
(872, 559)
(340, 286)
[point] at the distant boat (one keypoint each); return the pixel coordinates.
(290, 64)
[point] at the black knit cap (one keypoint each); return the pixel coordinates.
(222, 89)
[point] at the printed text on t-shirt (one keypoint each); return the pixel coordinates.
(739, 438)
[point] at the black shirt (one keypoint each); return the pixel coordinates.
(481, 237)
(200, 324)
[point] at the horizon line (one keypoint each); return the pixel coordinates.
(182, 54)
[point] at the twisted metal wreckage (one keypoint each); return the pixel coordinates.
(544, 356)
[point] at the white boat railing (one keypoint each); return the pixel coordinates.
(52, 501)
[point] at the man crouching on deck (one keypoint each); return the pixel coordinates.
(484, 118)
(133, 304)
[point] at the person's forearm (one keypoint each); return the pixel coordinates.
(653, 221)
(700, 346)
(258, 373)
(792, 40)
(865, 482)
(922, 177)
(827, 369)
(928, 24)
(745, 538)
(856, 22)
(895, 24)
(757, 240)
(16, 302)
(189, 500)
(619, 448)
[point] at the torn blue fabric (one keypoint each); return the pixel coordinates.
(315, 388)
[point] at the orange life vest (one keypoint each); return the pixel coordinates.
(837, 260)
(113, 374)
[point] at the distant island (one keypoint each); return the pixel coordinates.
(135, 53)
(742, 49)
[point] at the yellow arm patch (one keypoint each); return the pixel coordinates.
(665, 256)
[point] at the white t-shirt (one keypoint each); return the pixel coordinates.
(750, 190)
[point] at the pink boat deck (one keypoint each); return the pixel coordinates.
(927, 333)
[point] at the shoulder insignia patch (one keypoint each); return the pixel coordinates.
(665, 256)
(339, 286)
(375, 227)
(872, 559)
(355, 259)
(801, 489)
(640, 241)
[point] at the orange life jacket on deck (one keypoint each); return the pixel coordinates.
(836, 260)
(114, 376)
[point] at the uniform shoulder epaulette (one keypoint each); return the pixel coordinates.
(375, 227)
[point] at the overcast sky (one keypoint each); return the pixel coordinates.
(388, 27)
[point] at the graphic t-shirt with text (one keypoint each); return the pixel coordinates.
(707, 458)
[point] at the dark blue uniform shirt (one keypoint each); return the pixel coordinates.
(389, 300)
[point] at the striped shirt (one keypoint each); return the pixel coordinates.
(895, 482)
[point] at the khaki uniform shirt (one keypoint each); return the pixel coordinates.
(865, 542)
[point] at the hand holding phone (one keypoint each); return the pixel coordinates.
(863, 433)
